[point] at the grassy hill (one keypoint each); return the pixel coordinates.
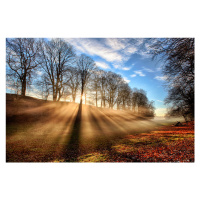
(46, 131)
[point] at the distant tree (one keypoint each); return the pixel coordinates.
(12, 82)
(56, 56)
(44, 86)
(73, 81)
(178, 54)
(124, 94)
(103, 85)
(142, 101)
(85, 66)
(21, 58)
(150, 110)
(112, 80)
(95, 84)
(141, 104)
(139, 100)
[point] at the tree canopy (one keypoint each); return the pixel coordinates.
(178, 54)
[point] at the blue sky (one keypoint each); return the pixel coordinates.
(129, 57)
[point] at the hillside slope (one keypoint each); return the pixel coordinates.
(45, 131)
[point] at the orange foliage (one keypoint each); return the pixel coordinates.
(168, 144)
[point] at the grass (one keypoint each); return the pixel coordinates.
(37, 131)
(166, 144)
(156, 146)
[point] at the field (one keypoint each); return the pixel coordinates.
(40, 131)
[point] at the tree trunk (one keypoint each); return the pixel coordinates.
(117, 105)
(74, 98)
(23, 93)
(96, 98)
(104, 100)
(54, 94)
(123, 104)
(82, 88)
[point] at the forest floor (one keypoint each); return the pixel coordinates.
(39, 131)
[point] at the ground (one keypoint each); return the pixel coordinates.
(40, 131)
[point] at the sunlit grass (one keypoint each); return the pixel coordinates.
(44, 134)
(93, 157)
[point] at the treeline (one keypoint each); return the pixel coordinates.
(58, 73)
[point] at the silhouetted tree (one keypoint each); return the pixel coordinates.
(56, 56)
(21, 58)
(124, 93)
(44, 86)
(74, 81)
(178, 54)
(141, 104)
(102, 85)
(96, 84)
(112, 80)
(85, 66)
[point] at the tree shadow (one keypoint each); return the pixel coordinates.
(71, 151)
(102, 142)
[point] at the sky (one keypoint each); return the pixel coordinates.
(130, 58)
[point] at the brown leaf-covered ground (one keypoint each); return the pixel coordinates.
(39, 131)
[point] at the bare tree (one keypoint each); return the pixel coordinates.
(102, 85)
(112, 80)
(74, 81)
(124, 93)
(21, 58)
(85, 66)
(178, 54)
(141, 104)
(44, 86)
(95, 84)
(56, 56)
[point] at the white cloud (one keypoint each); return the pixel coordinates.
(147, 69)
(102, 65)
(126, 68)
(115, 44)
(133, 75)
(115, 50)
(140, 73)
(161, 78)
(93, 47)
(116, 66)
(126, 80)
(130, 50)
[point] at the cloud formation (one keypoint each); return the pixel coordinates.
(139, 72)
(126, 68)
(95, 47)
(126, 80)
(102, 65)
(147, 69)
(161, 78)
(133, 75)
(114, 50)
